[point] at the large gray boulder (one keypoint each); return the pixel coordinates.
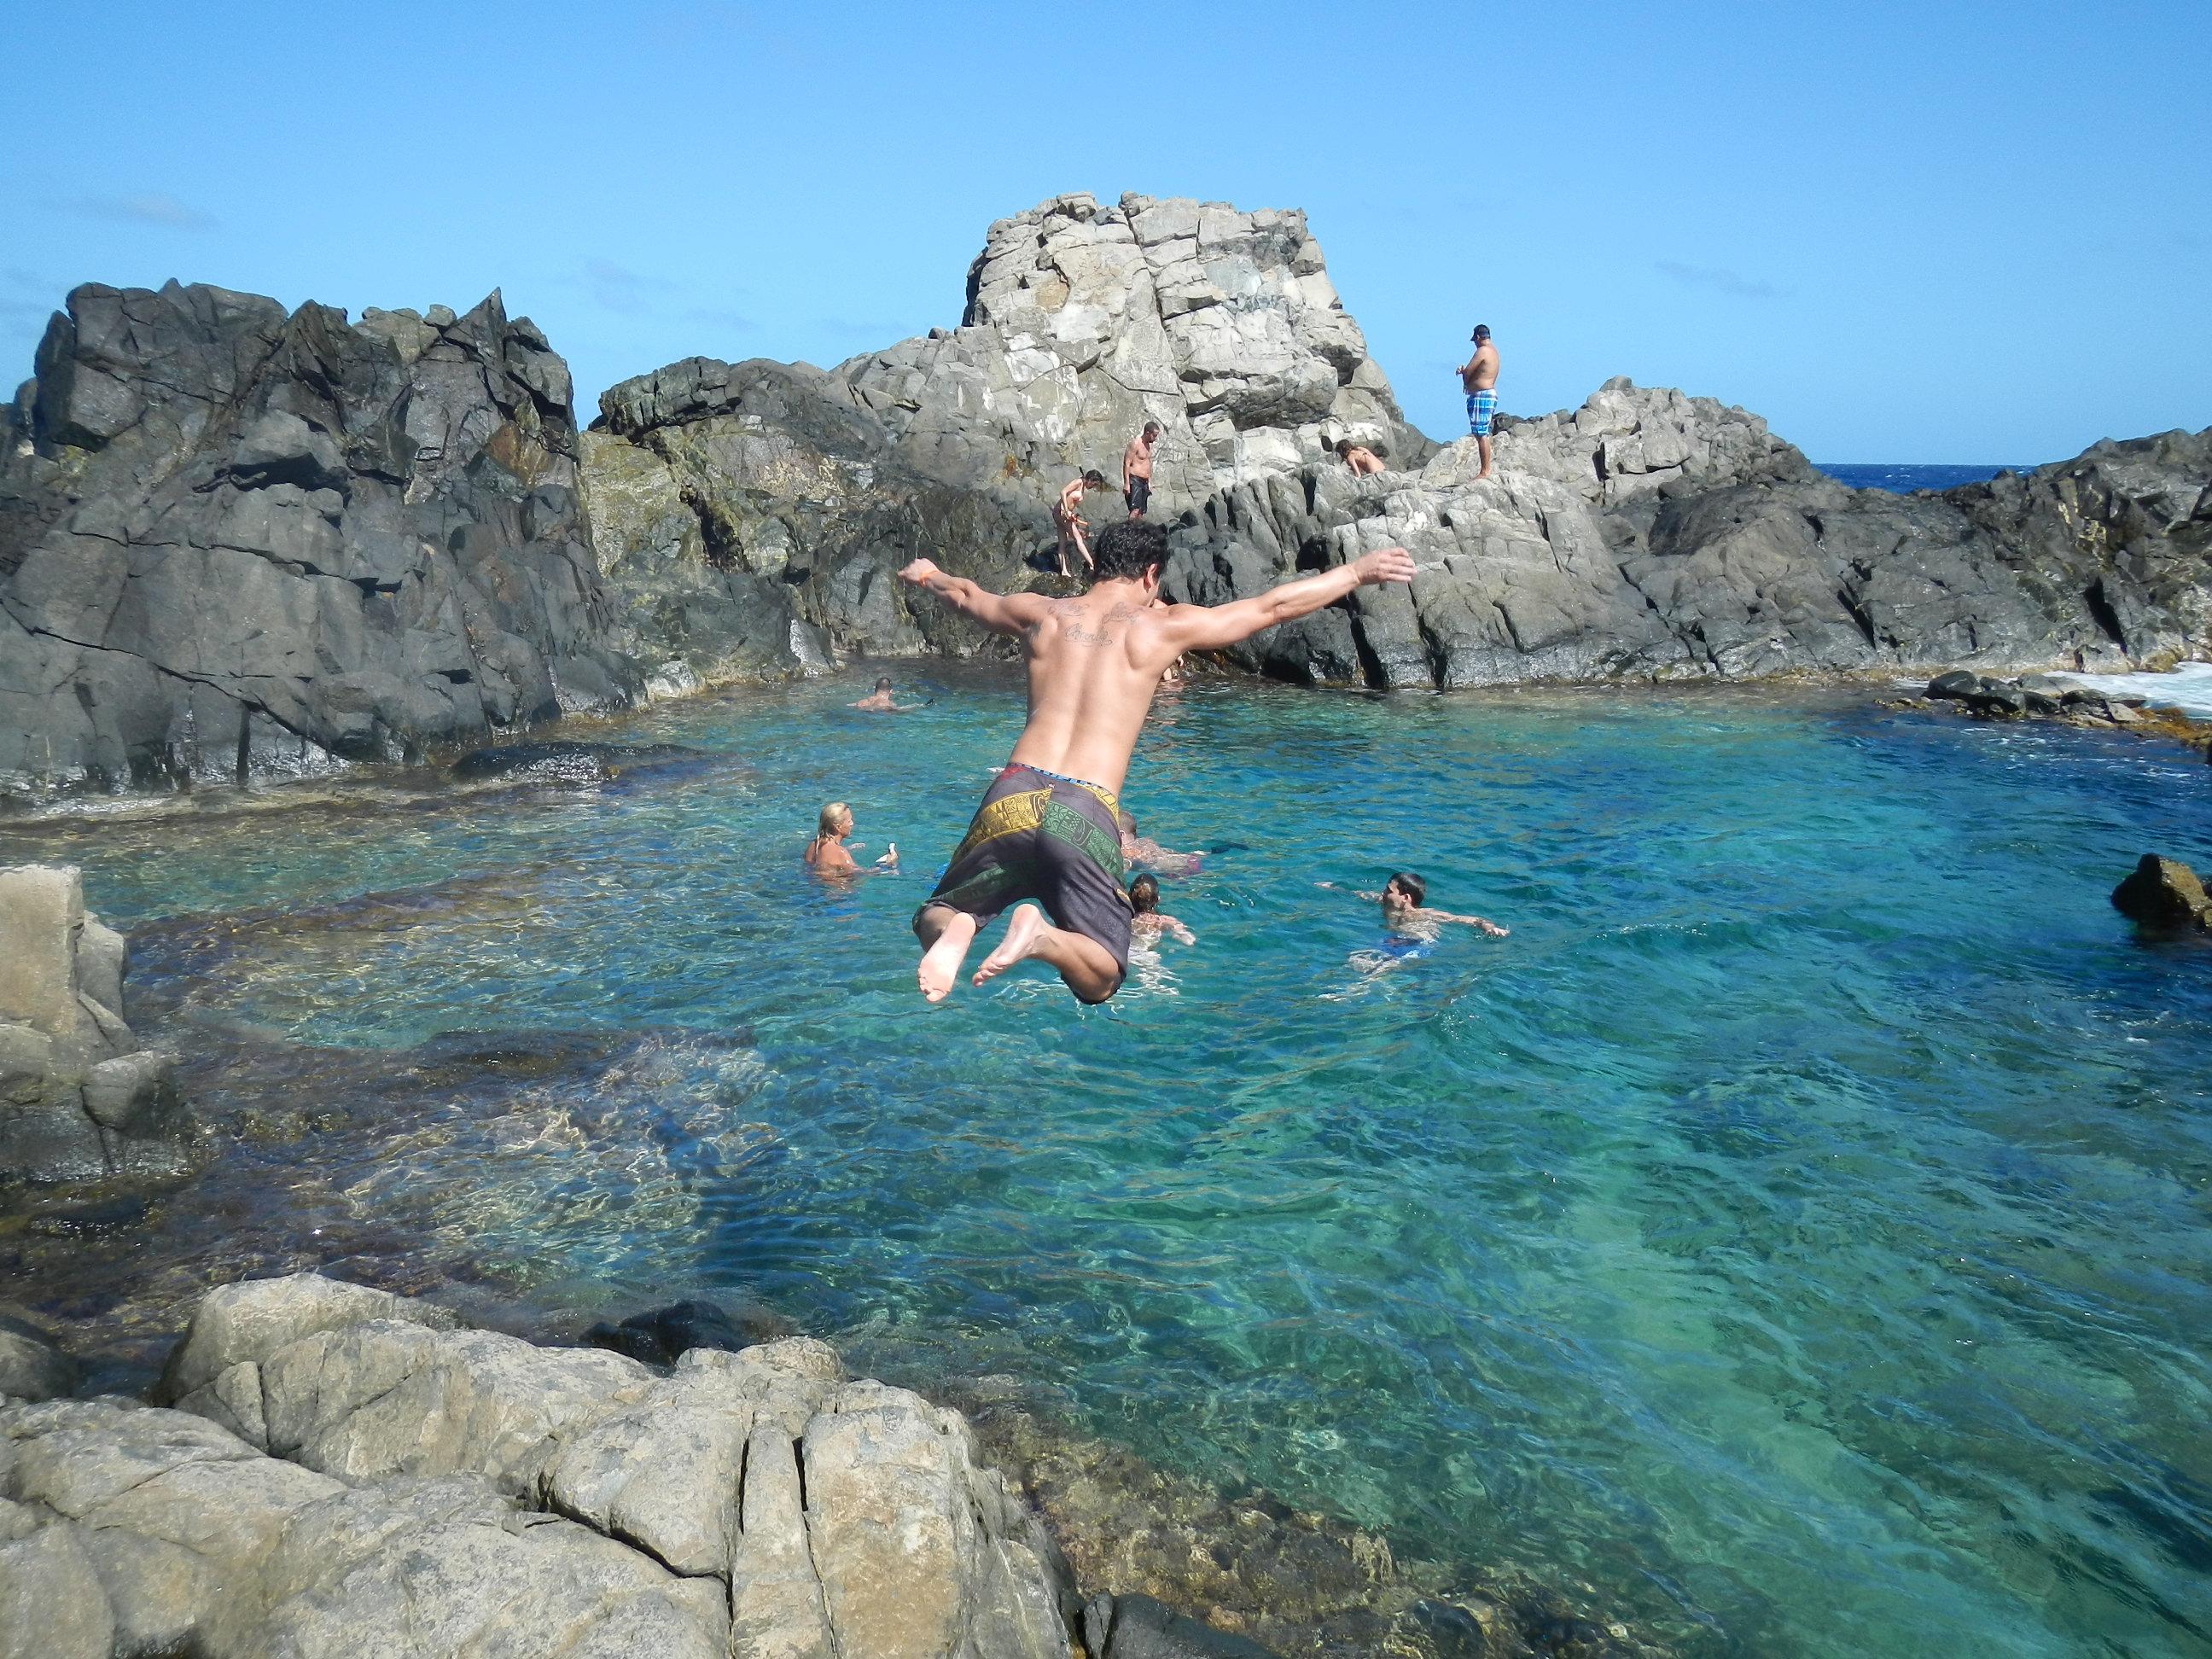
(236, 543)
(79, 1099)
(751, 517)
(344, 1472)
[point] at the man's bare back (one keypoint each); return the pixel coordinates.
(1095, 659)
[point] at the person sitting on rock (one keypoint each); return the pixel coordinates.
(879, 701)
(1149, 921)
(1046, 828)
(1364, 462)
(827, 854)
(1068, 518)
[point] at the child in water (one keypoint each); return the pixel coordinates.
(1150, 921)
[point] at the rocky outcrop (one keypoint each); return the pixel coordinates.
(79, 1099)
(2164, 895)
(751, 517)
(1085, 321)
(345, 1472)
(235, 542)
(1655, 536)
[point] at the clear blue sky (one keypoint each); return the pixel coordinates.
(1926, 232)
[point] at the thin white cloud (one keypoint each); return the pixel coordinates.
(1722, 280)
(150, 208)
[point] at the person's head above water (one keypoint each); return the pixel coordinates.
(1406, 888)
(884, 683)
(1144, 896)
(1481, 333)
(836, 819)
(1128, 552)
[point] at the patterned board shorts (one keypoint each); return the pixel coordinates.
(1480, 407)
(1039, 836)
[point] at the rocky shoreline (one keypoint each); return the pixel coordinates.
(419, 550)
(323, 1464)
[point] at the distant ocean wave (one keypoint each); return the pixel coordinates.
(1902, 479)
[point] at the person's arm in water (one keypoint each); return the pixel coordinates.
(1483, 923)
(1212, 628)
(1169, 924)
(1002, 613)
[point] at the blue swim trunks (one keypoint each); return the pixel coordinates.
(1480, 406)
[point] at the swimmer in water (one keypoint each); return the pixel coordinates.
(1046, 831)
(1405, 915)
(826, 854)
(1150, 921)
(1142, 849)
(879, 701)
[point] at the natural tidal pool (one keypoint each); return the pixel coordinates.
(1800, 1228)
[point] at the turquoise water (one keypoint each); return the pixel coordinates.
(1798, 1228)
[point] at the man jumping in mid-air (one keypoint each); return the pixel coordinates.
(1047, 829)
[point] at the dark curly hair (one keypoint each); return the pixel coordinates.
(1127, 549)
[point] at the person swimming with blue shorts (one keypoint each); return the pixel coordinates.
(1414, 927)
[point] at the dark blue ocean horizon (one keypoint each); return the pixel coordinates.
(1900, 478)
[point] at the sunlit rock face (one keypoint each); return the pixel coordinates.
(236, 543)
(1084, 321)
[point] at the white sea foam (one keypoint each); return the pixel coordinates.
(2188, 688)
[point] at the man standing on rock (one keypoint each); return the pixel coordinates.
(1048, 827)
(1137, 469)
(1478, 376)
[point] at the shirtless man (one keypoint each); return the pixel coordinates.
(1068, 516)
(1047, 827)
(1364, 462)
(1404, 914)
(1137, 470)
(1478, 377)
(879, 701)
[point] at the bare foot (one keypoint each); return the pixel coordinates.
(940, 963)
(1020, 940)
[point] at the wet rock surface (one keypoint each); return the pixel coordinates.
(343, 1472)
(79, 1099)
(2052, 697)
(239, 543)
(2164, 895)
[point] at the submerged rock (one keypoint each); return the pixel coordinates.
(667, 1334)
(32, 1366)
(79, 1099)
(2163, 893)
(1138, 1628)
(344, 1472)
(568, 762)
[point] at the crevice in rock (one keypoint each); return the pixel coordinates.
(2101, 612)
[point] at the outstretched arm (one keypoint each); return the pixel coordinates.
(1209, 628)
(1487, 926)
(1002, 613)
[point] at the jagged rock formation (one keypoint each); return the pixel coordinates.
(236, 543)
(1651, 535)
(1085, 321)
(78, 1097)
(750, 518)
(344, 1473)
